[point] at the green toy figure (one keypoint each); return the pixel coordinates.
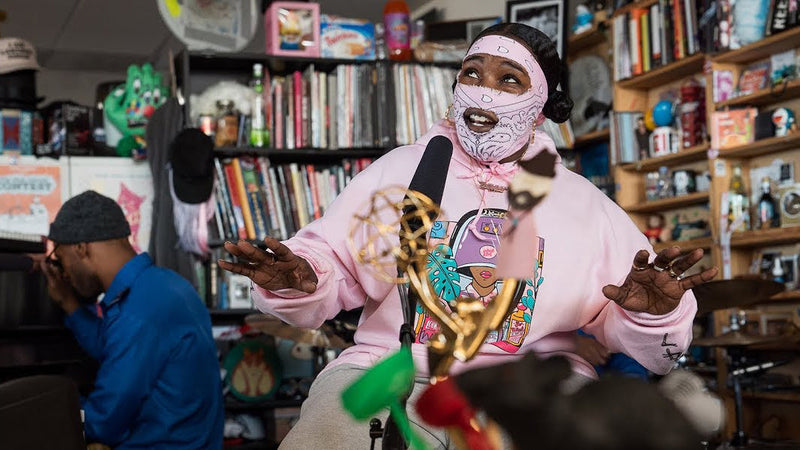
(129, 106)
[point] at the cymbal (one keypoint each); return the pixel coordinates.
(271, 325)
(723, 294)
(734, 339)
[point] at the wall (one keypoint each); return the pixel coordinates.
(468, 9)
(78, 86)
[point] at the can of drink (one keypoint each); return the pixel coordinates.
(207, 124)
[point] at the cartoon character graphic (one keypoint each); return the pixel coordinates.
(131, 205)
(463, 264)
(252, 376)
(128, 108)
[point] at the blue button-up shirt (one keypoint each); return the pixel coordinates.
(159, 381)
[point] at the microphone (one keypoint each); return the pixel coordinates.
(431, 173)
(429, 179)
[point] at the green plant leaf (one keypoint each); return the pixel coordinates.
(442, 273)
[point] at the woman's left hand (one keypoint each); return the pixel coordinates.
(657, 288)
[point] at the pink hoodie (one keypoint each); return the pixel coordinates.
(586, 242)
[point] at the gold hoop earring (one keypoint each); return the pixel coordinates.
(447, 113)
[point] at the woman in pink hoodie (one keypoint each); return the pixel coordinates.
(593, 269)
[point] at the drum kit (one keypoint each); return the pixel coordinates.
(715, 295)
(739, 293)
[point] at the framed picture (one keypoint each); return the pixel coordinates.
(549, 16)
(292, 29)
(790, 270)
(474, 27)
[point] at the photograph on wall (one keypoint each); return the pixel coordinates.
(30, 194)
(127, 182)
(548, 16)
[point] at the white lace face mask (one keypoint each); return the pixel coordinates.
(516, 113)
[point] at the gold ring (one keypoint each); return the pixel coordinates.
(672, 273)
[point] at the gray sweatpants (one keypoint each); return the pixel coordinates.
(324, 424)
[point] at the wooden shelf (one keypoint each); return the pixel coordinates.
(786, 296)
(635, 5)
(301, 153)
(209, 61)
(592, 138)
(775, 396)
(587, 39)
(684, 156)
(760, 238)
(688, 245)
(767, 96)
(762, 147)
(669, 203)
(666, 74)
(762, 49)
(238, 405)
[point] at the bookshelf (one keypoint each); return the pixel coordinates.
(787, 91)
(683, 156)
(641, 92)
(301, 153)
(276, 190)
(669, 203)
(761, 238)
(688, 245)
(663, 75)
(762, 49)
(762, 147)
(587, 39)
(591, 138)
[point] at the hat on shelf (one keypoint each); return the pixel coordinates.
(192, 161)
(17, 54)
(18, 68)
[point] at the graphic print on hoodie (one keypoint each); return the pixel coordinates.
(462, 264)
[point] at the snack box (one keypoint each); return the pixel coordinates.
(346, 38)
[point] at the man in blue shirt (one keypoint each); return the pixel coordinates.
(158, 385)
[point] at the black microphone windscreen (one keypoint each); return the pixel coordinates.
(431, 173)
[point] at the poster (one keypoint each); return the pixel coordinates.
(128, 182)
(30, 194)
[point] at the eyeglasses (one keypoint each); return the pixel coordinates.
(52, 261)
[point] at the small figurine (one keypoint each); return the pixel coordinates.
(655, 228)
(784, 121)
(642, 138)
(583, 19)
(664, 139)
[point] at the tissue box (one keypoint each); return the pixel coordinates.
(292, 29)
(347, 38)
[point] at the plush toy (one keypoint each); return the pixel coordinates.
(655, 228)
(783, 119)
(128, 107)
(583, 19)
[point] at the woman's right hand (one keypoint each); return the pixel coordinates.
(274, 270)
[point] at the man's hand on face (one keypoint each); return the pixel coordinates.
(58, 287)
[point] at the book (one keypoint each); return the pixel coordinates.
(241, 193)
(732, 128)
(235, 199)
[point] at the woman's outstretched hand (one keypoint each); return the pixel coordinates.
(272, 270)
(657, 288)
